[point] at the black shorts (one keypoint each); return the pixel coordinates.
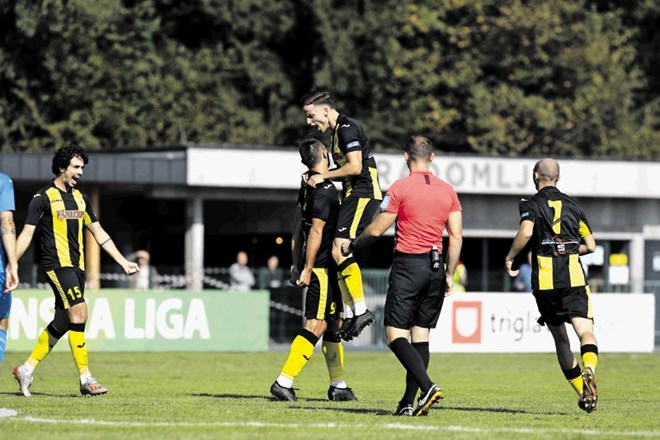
(558, 306)
(355, 214)
(68, 284)
(415, 294)
(323, 298)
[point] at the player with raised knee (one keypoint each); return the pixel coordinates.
(361, 196)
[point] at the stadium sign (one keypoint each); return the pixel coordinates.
(506, 323)
(121, 320)
(468, 174)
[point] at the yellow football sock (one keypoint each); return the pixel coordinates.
(300, 352)
(576, 384)
(346, 297)
(590, 359)
(79, 350)
(334, 359)
(47, 340)
(352, 276)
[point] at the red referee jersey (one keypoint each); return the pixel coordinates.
(422, 203)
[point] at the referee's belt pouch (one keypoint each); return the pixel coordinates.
(435, 259)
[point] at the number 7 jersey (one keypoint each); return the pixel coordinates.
(559, 226)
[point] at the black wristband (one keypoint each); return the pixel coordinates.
(351, 247)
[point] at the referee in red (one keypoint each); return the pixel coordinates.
(421, 205)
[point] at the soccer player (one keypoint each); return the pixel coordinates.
(313, 268)
(8, 260)
(361, 195)
(421, 205)
(559, 233)
(62, 211)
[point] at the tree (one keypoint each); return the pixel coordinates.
(562, 77)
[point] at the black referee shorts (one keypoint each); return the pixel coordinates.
(415, 294)
(558, 306)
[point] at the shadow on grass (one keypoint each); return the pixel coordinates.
(18, 394)
(337, 406)
(233, 396)
(382, 412)
(500, 410)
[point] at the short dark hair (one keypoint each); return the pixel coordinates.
(318, 97)
(419, 147)
(311, 152)
(548, 169)
(63, 157)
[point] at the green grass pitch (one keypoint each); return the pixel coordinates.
(226, 395)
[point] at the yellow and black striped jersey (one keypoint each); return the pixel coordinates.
(61, 217)
(321, 202)
(348, 136)
(559, 226)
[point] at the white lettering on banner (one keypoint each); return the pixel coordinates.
(130, 331)
(150, 318)
(175, 321)
(24, 318)
(196, 320)
(47, 310)
(29, 319)
(100, 320)
(167, 319)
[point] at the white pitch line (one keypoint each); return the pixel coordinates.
(392, 426)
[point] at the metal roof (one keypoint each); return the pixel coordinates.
(116, 167)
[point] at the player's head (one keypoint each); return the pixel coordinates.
(546, 173)
(312, 152)
(419, 148)
(63, 156)
(319, 108)
(318, 97)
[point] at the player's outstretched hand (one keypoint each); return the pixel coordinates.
(130, 268)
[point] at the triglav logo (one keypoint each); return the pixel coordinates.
(466, 322)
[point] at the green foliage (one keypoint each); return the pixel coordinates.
(562, 77)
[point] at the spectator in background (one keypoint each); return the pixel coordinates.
(271, 276)
(241, 277)
(147, 277)
(460, 278)
(523, 282)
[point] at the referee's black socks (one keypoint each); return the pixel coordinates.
(412, 361)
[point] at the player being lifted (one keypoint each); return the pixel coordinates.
(361, 196)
